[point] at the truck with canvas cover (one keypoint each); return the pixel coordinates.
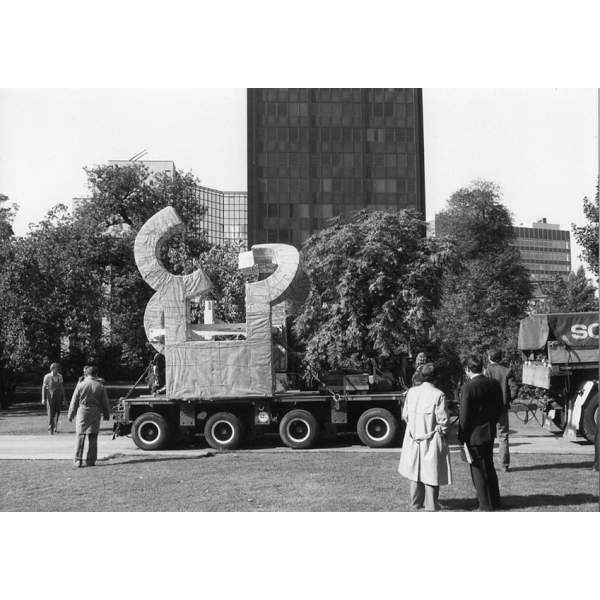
(561, 353)
(231, 381)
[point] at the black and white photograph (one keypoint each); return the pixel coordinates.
(374, 295)
(283, 314)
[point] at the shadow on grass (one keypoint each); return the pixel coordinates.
(108, 462)
(516, 502)
(569, 465)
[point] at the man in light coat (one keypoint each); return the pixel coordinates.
(89, 403)
(425, 460)
(504, 376)
(53, 396)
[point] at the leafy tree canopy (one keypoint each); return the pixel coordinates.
(374, 284)
(485, 288)
(576, 293)
(7, 215)
(75, 272)
(587, 235)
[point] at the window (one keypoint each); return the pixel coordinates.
(379, 185)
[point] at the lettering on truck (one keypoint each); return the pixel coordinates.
(581, 331)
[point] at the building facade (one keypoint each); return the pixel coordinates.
(315, 153)
(224, 216)
(545, 250)
(154, 167)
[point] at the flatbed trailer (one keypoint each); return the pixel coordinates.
(298, 417)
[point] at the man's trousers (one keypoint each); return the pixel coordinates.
(422, 493)
(503, 429)
(484, 476)
(92, 453)
(53, 410)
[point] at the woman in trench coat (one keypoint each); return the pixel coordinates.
(425, 460)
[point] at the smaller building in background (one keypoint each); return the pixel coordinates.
(222, 215)
(545, 250)
(154, 167)
(225, 216)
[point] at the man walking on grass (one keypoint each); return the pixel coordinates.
(480, 407)
(503, 375)
(89, 403)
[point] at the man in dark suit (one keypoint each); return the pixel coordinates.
(504, 376)
(480, 407)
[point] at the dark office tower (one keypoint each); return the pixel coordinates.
(317, 153)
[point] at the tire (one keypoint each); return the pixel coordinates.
(377, 428)
(223, 431)
(590, 418)
(298, 429)
(150, 431)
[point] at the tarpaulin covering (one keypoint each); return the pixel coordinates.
(203, 369)
(574, 330)
(537, 375)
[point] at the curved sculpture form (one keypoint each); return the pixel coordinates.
(167, 308)
(197, 366)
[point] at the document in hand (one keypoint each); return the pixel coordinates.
(467, 454)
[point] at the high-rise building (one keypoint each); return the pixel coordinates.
(317, 153)
(545, 250)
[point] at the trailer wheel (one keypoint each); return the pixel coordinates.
(377, 428)
(150, 431)
(223, 431)
(590, 418)
(298, 429)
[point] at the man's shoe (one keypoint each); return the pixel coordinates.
(506, 468)
(89, 464)
(77, 463)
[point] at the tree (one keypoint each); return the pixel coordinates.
(374, 284)
(7, 383)
(125, 197)
(573, 294)
(220, 264)
(587, 235)
(7, 215)
(74, 273)
(485, 287)
(48, 290)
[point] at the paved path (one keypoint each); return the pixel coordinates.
(527, 438)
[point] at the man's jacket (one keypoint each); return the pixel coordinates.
(480, 407)
(504, 376)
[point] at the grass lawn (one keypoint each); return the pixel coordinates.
(29, 418)
(263, 481)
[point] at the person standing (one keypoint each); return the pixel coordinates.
(420, 362)
(504, 376)
(425, 460)
(479, 411)
(53, 396)
(88, 404)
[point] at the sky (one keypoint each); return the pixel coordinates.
(540, 145)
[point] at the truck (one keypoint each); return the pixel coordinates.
(231, 381)
(560, 369)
